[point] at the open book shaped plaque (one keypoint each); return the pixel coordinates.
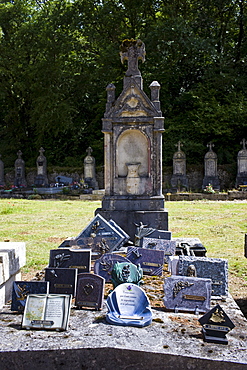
(128, 305)
(47, 311)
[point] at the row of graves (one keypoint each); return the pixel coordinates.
(102, 265)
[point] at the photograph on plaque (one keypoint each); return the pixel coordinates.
(103, 266)
(128, 305)
(61, 280)
(90, 291)
(79, 259)
(47, 311)
(184, 293)
(150, 260)
(21, 289)
(215, 269)
(168, 246)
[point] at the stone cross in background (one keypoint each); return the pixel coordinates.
(41, 178)
(179, 179)
(20, 180)
(242, 165)
(210, 169)
(89, 170)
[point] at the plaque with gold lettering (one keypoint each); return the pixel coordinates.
(150, 260)
(79, 259)
(61, 280)
(21, 289)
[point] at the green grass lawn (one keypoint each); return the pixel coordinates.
(43, 225)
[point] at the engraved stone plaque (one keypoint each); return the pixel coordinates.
(187, 293)
(104, 265)
(168, 246)
(150, 260)
(128, 305)
(61, 280)
(21, 289)
(79, 259)
(90, 291)
(215, 269)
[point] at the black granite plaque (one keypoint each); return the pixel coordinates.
(150, 260)
(79, 259)
(21, 289)
(90, 291)
(104, 265)
(61, 280)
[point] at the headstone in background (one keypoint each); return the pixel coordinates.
(168, 246)
(63, 180)
(179, 179)
(90, 291)
(69, 258)
(104, 265)
(20, 180)
(210, 169)
(61, 280)
(215, 269)
(128, 305)
(89, 170)
(242, 165)
(150, 260)
(126, 273)
(215, 325)
(41, 179)
(21, 289)
(184, 293)
(2, 182)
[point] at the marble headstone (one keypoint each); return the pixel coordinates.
(128, 305)
(242, 165)
(90, 291)
(215, 269)
(104, 265)
(150, 260)
(89, 170)
(41, 178)
(184, 293)
(210, 169)
(20, 180)
(179, 180)
(168, 246)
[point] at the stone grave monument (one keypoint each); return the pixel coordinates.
(133, 127)
(210, 169)
(2, 183)
(20, 180)
(242, 165)
(179, 179)
(89, 170)
(41, 178)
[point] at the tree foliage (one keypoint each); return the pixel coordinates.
(57, 57)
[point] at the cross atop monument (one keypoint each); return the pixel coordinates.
(244, 143)
(41, 151)
(89, 151)
(19, 153)
(210, 145)
(132, 51)
(179, 144)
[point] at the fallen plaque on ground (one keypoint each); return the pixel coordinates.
(168, 246)
(104, 265)
(71, 258)
(126, 273)
(215, 325)
(128, 305)
(21, 289)
(90, 291)
(151, 261)
(47, 311)
(61, 280)
(187, 294)
(215, 269)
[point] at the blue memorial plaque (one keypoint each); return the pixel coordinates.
(90, 291)
(128, 305)
(79, 259)
(151, 261)
(168, 246)
(61, 280)
(184, 293)
(21, 289)
(215, 269)
(104, 265)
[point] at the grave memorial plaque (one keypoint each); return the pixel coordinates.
(21, 289)
(61, 280)
(168, 246)
(143, 231)
(215, 269)
(215, 325)
(126, 273)
(47, 311)
(90, 291)
(128, 305)
(104, 265)
(79, 259)
(120, 230)
(187, 294)
(151, 261)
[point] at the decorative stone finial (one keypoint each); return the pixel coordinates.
(132, 51)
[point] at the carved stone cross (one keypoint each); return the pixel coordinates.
(244, 143)
(179, 144)
(89, 151)
(132, 51)
(19, 153)
(210, 145)
(41, 151)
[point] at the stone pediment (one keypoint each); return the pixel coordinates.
(133, 102)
